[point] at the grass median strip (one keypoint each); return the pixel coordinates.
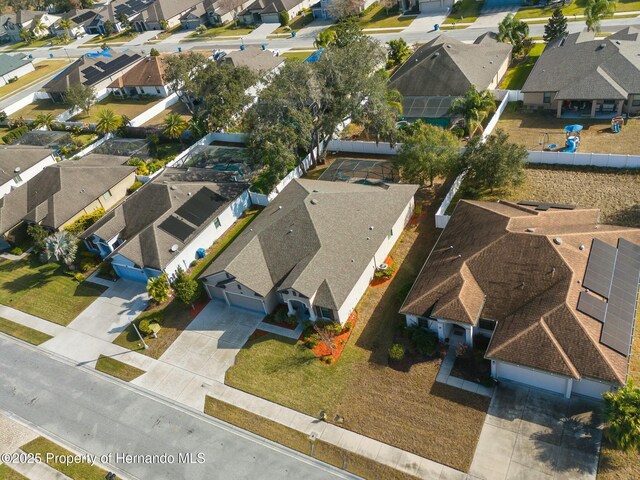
(296, 440)
(117, 369)
(7, 473)
(27, 334)
(57, 458)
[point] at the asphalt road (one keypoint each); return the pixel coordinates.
(467, 34)
(103, 416)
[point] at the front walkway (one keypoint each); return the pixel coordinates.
(444, 376)
(532, 434)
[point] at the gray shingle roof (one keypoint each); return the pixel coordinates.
(445, 66)
(9, 63)
(579, 67)
(253, 57)
(60, 191)
(316, 236)
(23, 157)
(138, 220)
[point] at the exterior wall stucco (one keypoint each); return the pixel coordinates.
(18, 72)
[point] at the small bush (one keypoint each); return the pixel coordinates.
(284, 19)
(193, 263)
(79, 277)
(386, 273)
(85, 221)
(155, 166)
(144, 326)
(423, 340)
(458, 131)
(330, 360)
(106, 270)
(16, 251)
(15, 133)
(396, 352)
(417, 209)
(329, 326)
(86, 265)
(136, 185)
(347, 327)
(141, 165)
(280, 316)
(291, 320)
(312, 341)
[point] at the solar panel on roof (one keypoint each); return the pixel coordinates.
(592, 306)
(177, 228)
(199, 207)
(600, 267)
(617, 332)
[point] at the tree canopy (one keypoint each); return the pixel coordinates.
(622, 413)
(556, 27)
(475, 107)
(494, 163)
(514, 31)
(427, 152)
(81, 97)
(399, 51)
(596, 11)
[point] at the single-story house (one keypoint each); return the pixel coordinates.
(164, 223)
(13, 67)
(60, 193)
(97, 71)
(147, 15)
(578, 76)
(37, 22)
(268, 11)
(554, 290)
(322, 8)
(145, 78)
(83, 21)
(315, 248)
(221, 11)
(21, 164)
(259, 60)
(443, 69)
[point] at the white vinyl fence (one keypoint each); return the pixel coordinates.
(371, 148)
(156, 109)
(585, 159)
(67, 114)
(24, 101)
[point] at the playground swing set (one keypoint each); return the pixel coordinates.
(572, 136)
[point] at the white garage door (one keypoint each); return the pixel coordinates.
(244, 301)
(534, 378)
(589, 388)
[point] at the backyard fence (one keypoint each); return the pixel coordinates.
(585, 159)
(24, 101)
(496, 117)
(67, 114)
(156, 109)
(512, 95)
(91, 147)
(371, 148)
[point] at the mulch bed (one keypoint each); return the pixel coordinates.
(288, 326)
(323, 350)
(199, 306)
(376, 282)
(257, 333)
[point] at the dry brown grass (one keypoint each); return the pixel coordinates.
(405, 409)
(526, 128)
(34, 109)
(616, 192)
(617, 465)
(180, 108)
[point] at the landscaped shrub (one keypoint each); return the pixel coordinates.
(106, 270)
(333, 327)
(15, 251)
(423, 340)
(79, 277)
(143, 326)
(134, 186)
(311, 341)
(347, 327)
(283, 17)
(396, 352)
(85, 221)
(141, 165)
(155, 165)
(15, 134)
(386, 273)
(86, 265)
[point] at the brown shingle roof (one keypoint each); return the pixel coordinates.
(147, 73)
(487, 264)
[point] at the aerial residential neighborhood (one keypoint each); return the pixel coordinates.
(340, 239)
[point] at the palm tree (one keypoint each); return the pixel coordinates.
(174, 126)
(394, 100)
(66, 25)
(38, 26)
(475, 107)
(514, 31)
(26, 36)
(44, 120)
(596, 10)
(61, 247)
(108, 121)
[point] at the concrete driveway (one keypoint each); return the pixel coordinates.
(529, 434)
(209, 345)
(113, 310)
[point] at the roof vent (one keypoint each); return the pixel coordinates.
(16, 170)
(290, 230)
(279, 207)
(437, 54)
(189, 193)
(370, 227)
(531, 229)
(314, 201)
(581, 247)
(459, 256)
(602, 45)
(557, 241)
(174, 248)
(448, 45)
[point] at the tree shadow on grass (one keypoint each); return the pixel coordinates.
(628, 217)
(26, 282)
(467, 399)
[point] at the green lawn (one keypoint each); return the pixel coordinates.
(576, 8)
(296, 23)
(228, 30)
(47, 291)
(121, 37)
(131, 107)
(519, 71)
(117, 369)
(302, 56)
(77, 471)
(7, 473)
(376, 17)
(467, 13)
(174, 317)
(42, 70)
(41, 42)
(323, 451)
(34, 337)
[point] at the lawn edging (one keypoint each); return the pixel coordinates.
(300, 442)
